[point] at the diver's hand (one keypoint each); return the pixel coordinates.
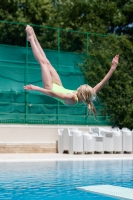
(31, 87)
(115, 62)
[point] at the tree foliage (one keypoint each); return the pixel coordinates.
(23, 12)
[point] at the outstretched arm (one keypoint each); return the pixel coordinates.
(108, 75)
(50, 93)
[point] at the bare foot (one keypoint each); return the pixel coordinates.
(30, 32)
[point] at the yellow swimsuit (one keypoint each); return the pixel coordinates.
(62, 90)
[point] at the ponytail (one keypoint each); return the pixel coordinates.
(91, 107)
(88, 95)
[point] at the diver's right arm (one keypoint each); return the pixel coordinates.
(50, 93)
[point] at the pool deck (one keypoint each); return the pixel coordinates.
(45, 157)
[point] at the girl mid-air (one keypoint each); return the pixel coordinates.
(52, 84)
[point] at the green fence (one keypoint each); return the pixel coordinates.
(18, 67)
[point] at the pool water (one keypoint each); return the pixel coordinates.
(57, 180)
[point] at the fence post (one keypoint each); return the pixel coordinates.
(26, 81)
(58, 71)
(58, 49)
(87, 54)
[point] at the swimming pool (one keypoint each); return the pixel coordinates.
(57, 180)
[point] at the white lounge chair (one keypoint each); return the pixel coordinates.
(99, 143)
(108, 140)
(117, 141)
(98, 139)
(113, 140)
(75, 142)
(63, 139)
(89, 143)
(127, 140)
(60, 140)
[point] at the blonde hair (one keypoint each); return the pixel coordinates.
(88, 95)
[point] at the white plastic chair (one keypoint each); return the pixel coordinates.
(75, 142)
(98, 139)
(127, 140)
(99, 143)
(89, 143)
(60, 141)
(63, 139)
(108, 140)
(117, 141)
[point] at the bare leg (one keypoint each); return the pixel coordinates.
(54, 75)
(46, 76)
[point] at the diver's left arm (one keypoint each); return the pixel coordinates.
(108, 75)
